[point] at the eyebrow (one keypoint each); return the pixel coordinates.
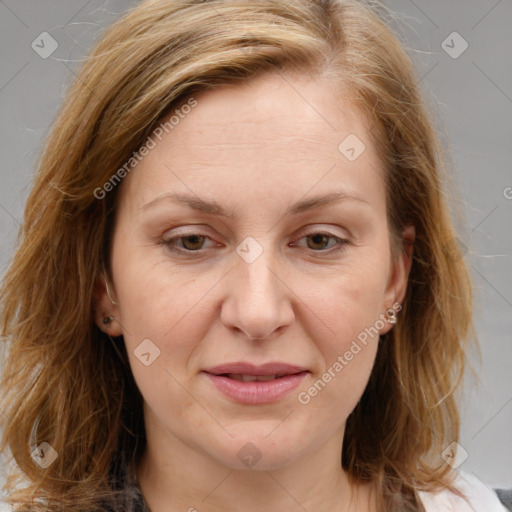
(214, 208)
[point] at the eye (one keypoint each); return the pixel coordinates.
(319, 242)
(190, 242)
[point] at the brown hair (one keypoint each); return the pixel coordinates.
(64, 375)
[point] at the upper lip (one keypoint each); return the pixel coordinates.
(243, 368)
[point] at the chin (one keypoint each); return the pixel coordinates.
(259, 451)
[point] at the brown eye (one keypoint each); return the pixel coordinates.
(192, 242)
(322, 242)
(186, 243)
(318, 241)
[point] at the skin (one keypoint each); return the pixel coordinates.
(256, 149)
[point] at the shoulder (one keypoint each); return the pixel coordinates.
(479, 497)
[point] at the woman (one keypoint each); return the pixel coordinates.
(236, 285)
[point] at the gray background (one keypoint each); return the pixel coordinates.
(472, 95)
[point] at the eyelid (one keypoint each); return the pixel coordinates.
(315, 229)
(177, 236)
(324, 231)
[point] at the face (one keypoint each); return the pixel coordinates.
(252, 240)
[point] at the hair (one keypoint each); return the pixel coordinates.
(66, 383)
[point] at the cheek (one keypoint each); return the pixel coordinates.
(344, 325)
(347, 303)
(166, 307)
(346, 360)
(348, 365)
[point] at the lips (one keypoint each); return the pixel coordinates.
(251, 384)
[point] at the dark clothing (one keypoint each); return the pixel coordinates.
(127, 496)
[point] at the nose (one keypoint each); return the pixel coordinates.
(259, 301)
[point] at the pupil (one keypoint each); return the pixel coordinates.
(317, 239)
(195, 240)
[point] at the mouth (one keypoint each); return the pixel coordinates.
(272, 369)
(250, 384)
(251, 378)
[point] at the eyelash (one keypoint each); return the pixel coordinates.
(170, 242)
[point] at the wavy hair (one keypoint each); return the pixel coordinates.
(65, 382)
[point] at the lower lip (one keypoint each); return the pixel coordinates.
(256, 392)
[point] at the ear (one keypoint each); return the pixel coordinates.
(399, 276)
(105, 305)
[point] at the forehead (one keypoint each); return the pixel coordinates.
(277, 110)
(280, 130)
